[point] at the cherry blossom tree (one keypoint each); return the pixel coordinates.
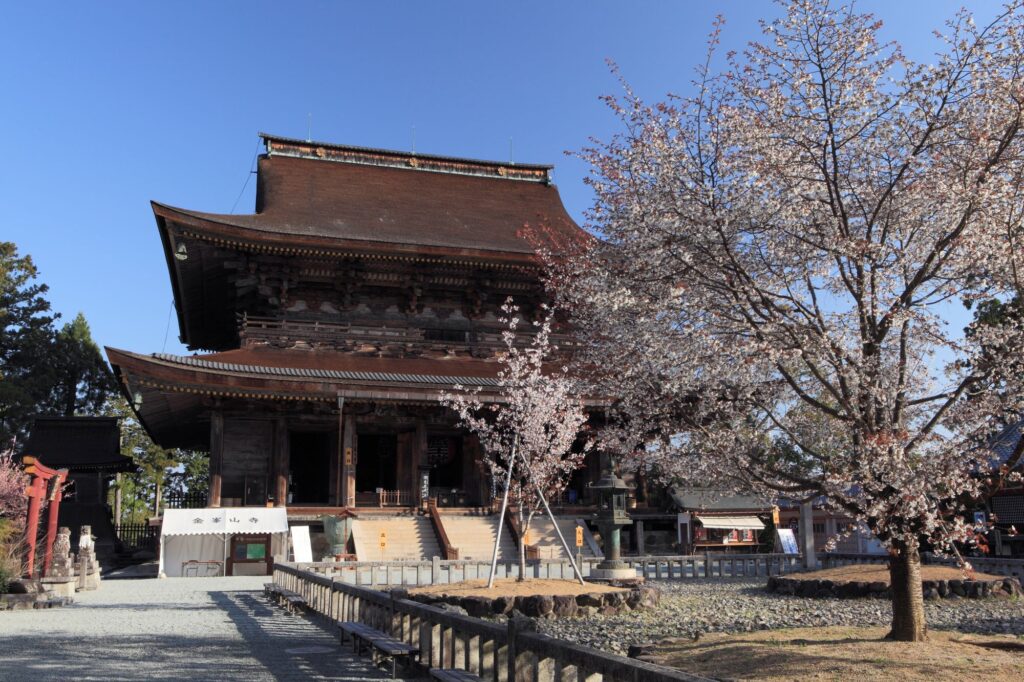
(782, 257)
(12, 518)
(530, 433)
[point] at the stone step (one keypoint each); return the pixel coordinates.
(408, 538)
(473, 536)
(544, 538)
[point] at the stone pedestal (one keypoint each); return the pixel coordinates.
(88, 568)
(600, 574)
(63, 586)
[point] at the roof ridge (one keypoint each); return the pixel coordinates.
(329, 151)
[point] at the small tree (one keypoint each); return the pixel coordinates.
(529, 432)
(780, 252)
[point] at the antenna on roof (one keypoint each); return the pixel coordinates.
(510, 158)
(414, 139)
(309, 127)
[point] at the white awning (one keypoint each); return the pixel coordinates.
(225, 521)
(731, 522)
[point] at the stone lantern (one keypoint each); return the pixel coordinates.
(611, 517)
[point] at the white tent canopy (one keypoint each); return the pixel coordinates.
(731, 522)
(203, 534)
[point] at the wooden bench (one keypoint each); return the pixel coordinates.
(379, 642)
(284, 597)
(454, 675)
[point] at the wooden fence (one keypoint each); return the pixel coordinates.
(497, 653)
(135, 536)
(994, 565)
(439, 571)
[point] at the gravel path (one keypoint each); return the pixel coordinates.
(173, 629)
(689, 607)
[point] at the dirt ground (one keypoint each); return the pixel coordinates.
(512, 588)
(839, 653)
(880, 573)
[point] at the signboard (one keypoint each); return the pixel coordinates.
(383, 539)
(302, 551)
(787, 540)
(683, 534)
(579, 536)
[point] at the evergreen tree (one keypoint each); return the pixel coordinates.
(26, 338)
(81, 377)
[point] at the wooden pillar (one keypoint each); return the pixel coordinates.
(282, 462)
(349, 461)
(337, 461)
(216, 456)
(51, 524)
(35, 494)
(638, 527)
(117, 499)
(807, 536)
(419, 455)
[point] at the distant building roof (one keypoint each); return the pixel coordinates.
(1006, 442)
(714, 500)
(78, 444)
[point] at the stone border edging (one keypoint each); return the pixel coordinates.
(547, 606)
(933, 589)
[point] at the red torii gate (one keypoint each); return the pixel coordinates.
(46, 484)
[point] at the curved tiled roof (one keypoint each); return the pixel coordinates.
(287, 372)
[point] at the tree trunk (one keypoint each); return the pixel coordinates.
(908, 624)
(524, 527)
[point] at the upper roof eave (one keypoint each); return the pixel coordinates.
(228, 228)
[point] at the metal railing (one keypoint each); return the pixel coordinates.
(440, 571)
(394, 498)
(497, 653)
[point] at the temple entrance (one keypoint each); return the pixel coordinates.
(448, 471)
(377, 467)
(310, 459)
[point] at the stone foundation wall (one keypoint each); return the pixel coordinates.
(933, 589)
(542, 606)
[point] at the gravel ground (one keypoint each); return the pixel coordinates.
(173, 629)
(690, 607)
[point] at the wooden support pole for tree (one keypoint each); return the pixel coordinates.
(558, 531)
(501, 516)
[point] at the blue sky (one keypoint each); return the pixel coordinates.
(105, 106)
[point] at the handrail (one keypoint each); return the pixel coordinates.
(450, 552)
(450, 640)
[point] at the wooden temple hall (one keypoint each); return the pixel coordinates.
(327, 322)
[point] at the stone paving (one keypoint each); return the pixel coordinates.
(173, 629)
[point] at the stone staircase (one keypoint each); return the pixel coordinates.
(545, 540)
(409, 538)
(473, 535)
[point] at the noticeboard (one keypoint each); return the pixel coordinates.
(787, 541)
